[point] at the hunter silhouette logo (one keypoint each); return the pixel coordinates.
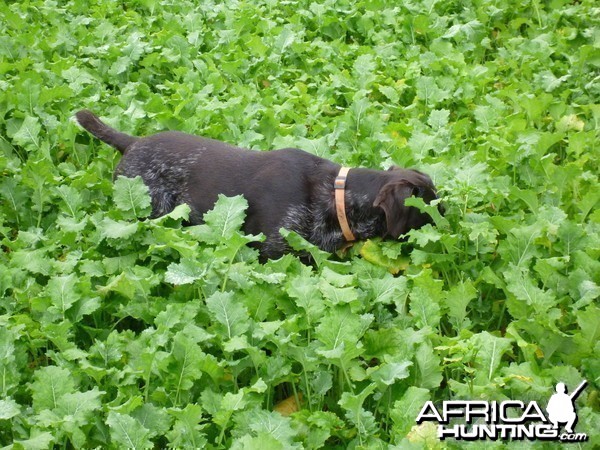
(507, 420)
(561, 407)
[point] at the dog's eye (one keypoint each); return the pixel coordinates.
(417, 191)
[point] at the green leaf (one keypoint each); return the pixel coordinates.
(305, 291)
(71, 198)
(424, 301)
(429, 367)
(339, 332)
(438, 118)
(353, 404)
(487, 117)
(9, 409)
(489, 351)
(187, 431)
(155, 419)
(38, 441)
(520, 245)
(266, 423)
(185, 272)
(180, 370)
(338, 295)
(128, 432)
(117, 229)
(520, 284)
(406, 410)
(179, 213)
(300, 244)
(225, 218)
(229, 313)
(386, 289)
(388, 373)
(51, 383)
(433, 210)
(374, 253)
(457, 300)
(262, 441)
(132, 195)
(390, 93)
(429, 92)
(590, 327)
(28, 134)
(75, 408)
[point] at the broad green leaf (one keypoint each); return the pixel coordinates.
(438, 118)
(373, 253)
(8, 363)
(229, 404)
(590, 326)
(185, 366)
(117, 229)
(262, 441)
(9, 409)
(300, 244)
(429, 367)
(353, 404)
(179, 213)
(389, 372)
(266, 423)
(72, 199)
(128, 432)
(338, 295)
(306, 293)
(155, 419)
(38, 441)
(74, 408)
(523, 288)
(390, 93)
(519, 247)
(187, 430)
(429, 92)
(489, 350)
(28, 134)
(185, 272)
(131, 195)
(339, 332)
(424, 301)
(51, 383)
(406, 410)
(386, 289)
(232, 315)
(226, 217)
(457, 300)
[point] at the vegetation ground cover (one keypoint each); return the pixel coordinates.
(117, 331)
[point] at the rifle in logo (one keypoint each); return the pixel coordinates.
(561, 406)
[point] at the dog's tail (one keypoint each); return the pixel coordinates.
(112, 137)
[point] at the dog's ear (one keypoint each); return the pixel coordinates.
(391, 199)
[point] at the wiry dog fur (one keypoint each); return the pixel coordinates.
(286, 188)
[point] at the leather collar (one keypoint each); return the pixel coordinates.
(340, 203)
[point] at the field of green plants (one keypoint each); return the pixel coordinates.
(119, 331)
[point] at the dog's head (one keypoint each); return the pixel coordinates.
(402, 184)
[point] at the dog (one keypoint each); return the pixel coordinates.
(328, 205)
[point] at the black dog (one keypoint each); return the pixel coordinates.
(286, 188)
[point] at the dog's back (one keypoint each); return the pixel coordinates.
(183, 168)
